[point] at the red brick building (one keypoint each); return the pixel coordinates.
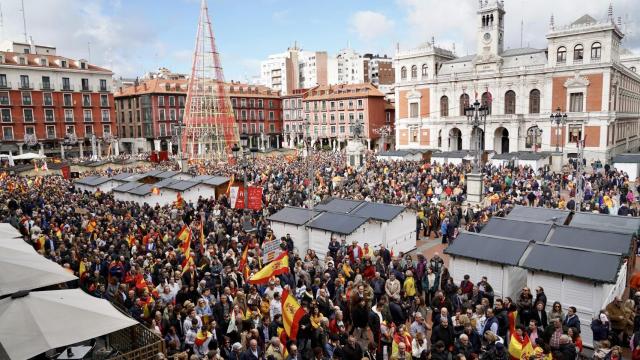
(332, 111)
(45, 98)
(148, 112)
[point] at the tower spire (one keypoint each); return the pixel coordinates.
(210, 128)
(610, 12)
(552, 23)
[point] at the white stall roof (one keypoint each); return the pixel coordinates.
(142, 190)
(337, 223)
(126, 187)
(121, 176)
(167, 174)
(627, 159)
(181, 185)
(294, 215)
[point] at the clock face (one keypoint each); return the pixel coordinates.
(487, 36)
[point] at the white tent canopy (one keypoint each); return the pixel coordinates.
(29, 156)
(21, 268)
(43, 320)
(7, 231)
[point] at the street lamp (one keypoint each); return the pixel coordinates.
(534, 134)
(179, 127)
(558, 118)
(242, 157)
(476, 116)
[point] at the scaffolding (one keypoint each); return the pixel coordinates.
(210, 128)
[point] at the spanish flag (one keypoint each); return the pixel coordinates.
(520, 347)
(202, 236)
(131, 240)
(82, 269)
(201, 337)
(179, 201)
(279, 265)
(91, 225)
(188, 260)
(185, 239)
(243, 259)
(59, 233)
(292, 312)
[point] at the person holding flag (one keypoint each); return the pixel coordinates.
(519, 345)
(292, 313)
(278, 266)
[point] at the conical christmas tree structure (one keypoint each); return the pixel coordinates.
(210, 128)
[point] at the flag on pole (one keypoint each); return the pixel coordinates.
(187, 262)
(179, 201)
(44, 166)
(185, 239)
(279, 265)
(243, 259)
(292, 313)
(131, 240)
(202, 242)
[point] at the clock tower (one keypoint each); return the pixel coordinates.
(490, 29)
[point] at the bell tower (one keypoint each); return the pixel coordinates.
(490, 28)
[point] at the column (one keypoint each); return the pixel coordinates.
(156, 145)
(81, 149)
(368, 144)
(99, 149)
(62, 151)
(116, 148)
(278, 146)
(170, 147)
(41, 149)
(20, 145)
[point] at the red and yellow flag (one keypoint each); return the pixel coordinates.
(292, 312)
(82, 269)
(279, 265)
(185, 238)
(91, 226)
(520, 347)
(131, 240)
(187, 262)
(202, 235)
(179, 201)
(243, 259)
(201, 337)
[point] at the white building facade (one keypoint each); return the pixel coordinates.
(294, 69)
(583, 72)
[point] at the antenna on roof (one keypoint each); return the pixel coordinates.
(521, 30)
(89, 51)
(24, 23)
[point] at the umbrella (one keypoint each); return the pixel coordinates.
(32, 323)
(21, 268)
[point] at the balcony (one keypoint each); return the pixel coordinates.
(104, 104)
(46, 86)
(47, 102)
(86, 103)
(26, 85)
(66, 87)
(68, 119)
(5, 85)
(88, 119)
(106, 88)
(4, 101)
(51, 136)
(49, 119)
(86, 88)
(106, 119)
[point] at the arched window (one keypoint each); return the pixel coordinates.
(562, 54)
(510, 102)
(596, 51)
(578, 52)
(534, 101)
(414, 72)
(486, 101)
(464, 103)
(444, 106)
(403, 73)
(424, 70)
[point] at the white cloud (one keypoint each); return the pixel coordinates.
(456, 21)
(370, 25)
(118, 40)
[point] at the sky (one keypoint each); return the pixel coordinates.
(132, 37)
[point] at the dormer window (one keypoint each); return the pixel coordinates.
(1, 59)
(63, 63)
(43, 61)
(83, 65)
(22, 60)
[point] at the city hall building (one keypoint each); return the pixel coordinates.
(584, 72)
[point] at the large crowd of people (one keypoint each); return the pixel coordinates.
(358, 303)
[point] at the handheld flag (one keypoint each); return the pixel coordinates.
(292, 313)
(520, 347)
(185, 237)
(44, 166)
(279, 265)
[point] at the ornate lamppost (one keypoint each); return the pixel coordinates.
(558, 118)
(476, 116)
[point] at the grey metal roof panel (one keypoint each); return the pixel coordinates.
(121, 176)
(591, 239)
(504, 156)
(488, 248)
(585, 264)
(85, 180)
(293, 215)
(517, 229)
(452, 154)
(153, 173)
(134, 177)
(461, 59)
(337, 223)
(165, 182)
(521, 51)
(142, 190)
(181, 185)
(378, 211)
(201, 178)
(216, 180)
(126, 186)
(344, 206)
(98, 181)
(627, 159)
(627, 224)
(538, 214)
(167, 174)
